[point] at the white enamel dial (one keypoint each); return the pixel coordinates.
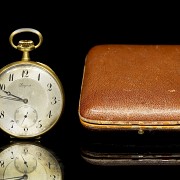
(31, 99)
(25, 161)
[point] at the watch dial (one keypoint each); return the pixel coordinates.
(31, 99)
(28, 161)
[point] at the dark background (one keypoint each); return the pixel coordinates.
(69, 31)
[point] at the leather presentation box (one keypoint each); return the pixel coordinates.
(131, 87)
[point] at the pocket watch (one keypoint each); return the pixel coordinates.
(31, 94)
(25, 161)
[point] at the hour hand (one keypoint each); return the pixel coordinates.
(10, 98)
(9, 94)
(16, 98)
(24, 177)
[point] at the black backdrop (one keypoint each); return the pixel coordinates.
(69, 31)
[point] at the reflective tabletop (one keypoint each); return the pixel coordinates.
(90, 155)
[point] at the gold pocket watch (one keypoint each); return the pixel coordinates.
(25, 160)
(31, 94)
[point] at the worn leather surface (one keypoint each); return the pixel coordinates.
(131, 85)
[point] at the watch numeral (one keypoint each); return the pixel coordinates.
(25, 150)
(54, 100)
(25, 129)
(2, 86)
(39, 77)
(39, 155)
(49, 165)
(39, 125)
(53, 177)
(25, 73)
(12, 123)
(49, 85)
(12, 155)
(49, 114)
(11, 77)
(1, 114)
(1, 163)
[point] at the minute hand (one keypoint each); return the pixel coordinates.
(17, 98)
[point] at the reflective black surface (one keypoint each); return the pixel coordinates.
(69, 31)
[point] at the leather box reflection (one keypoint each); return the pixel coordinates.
(130, 150)
(108, 155)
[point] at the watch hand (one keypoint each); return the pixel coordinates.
(24, 177)
(25, 116)
(17, 98)
(16, 178)
(14, 99)
(25, 162)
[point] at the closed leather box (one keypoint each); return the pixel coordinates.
(131, 87)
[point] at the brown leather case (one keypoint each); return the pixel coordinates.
(131, 87)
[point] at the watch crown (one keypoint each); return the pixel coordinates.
(25, 45)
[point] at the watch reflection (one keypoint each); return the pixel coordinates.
(29, 161)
